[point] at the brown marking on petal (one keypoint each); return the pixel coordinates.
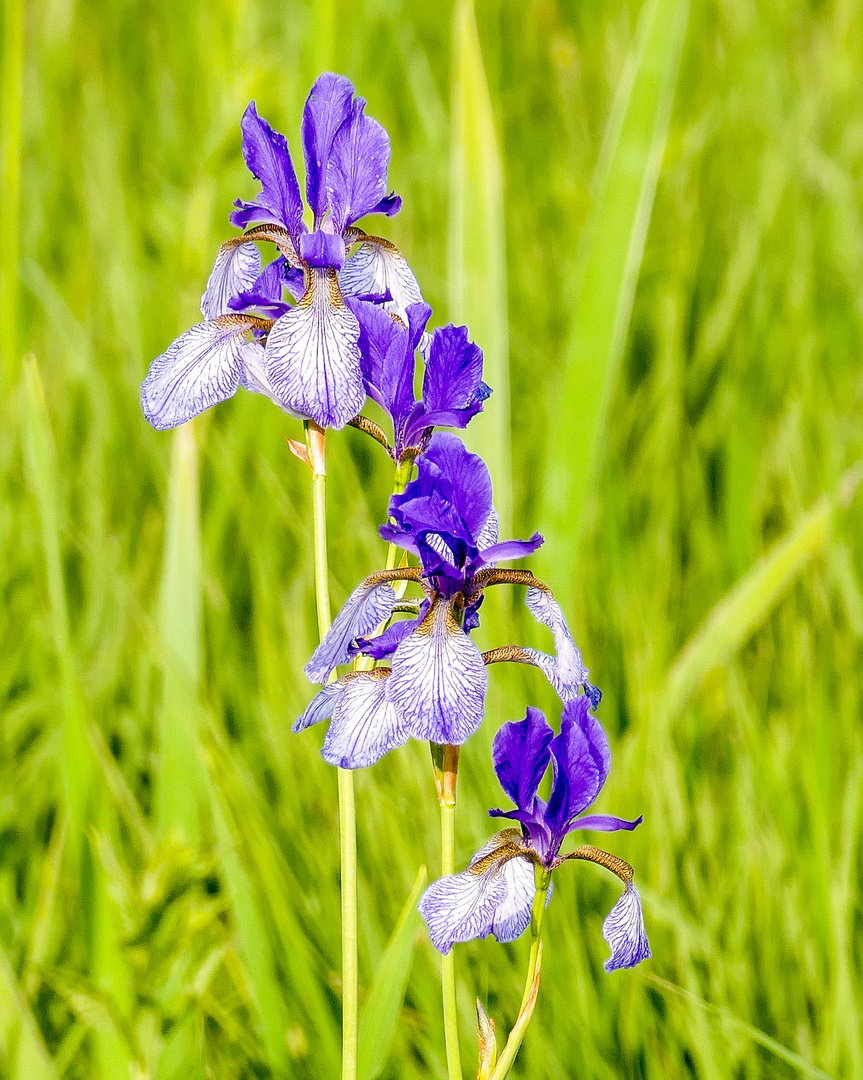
(398, 573)
(604, 858)
(502, 854)
(243, 322)
(376, 674)
(512, 654)
(362, 423)
(494, 576)
(268, 233)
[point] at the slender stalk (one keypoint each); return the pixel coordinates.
(531, 982)
(447, 778)
(315, 441)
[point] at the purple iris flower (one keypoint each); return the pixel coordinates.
(452, 392)
(494, 895)
(436, 683)
(305, 355)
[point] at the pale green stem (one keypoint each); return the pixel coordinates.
(446, 792)
(528, 999)
(315, 440)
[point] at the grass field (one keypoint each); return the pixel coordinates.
(684, 425)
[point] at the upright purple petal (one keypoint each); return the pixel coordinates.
(312, 355)
(624, 931)
(577, 778)
(357, 167)
(376, 268)
(327, 107)
(453, 371)
(468, 475)
(438, 680)
(577, 714)
(235, 270)
(199, 369)
(364, 610)
(365, 725)
(520, 753)
(387, 360)
(268, 159)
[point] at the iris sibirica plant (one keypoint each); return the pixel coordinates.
(335, 318)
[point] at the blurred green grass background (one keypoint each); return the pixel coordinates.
(168, 850)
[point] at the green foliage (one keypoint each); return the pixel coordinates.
(150, 659)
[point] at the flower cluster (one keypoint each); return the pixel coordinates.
(494, 895)
(335, 318)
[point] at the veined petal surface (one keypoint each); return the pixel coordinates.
(565, 671)
(624, 931)
(312, 357)
(201, 368)
(365, 726)
(365, 609)
(357, 167)
(327, 107)
(378, 267)
(520, 753)
(268, 160)
(236, 269)
(438, 680)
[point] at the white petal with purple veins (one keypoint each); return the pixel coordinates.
(236, 270)
(199, 369)
(364, 610)
(377, 266)
(254, 377)
(488, 533)
(462, 907)
(624, 931)
(321, 707)
(565, 671)
(364, 725)
(438, 680)
(512, 915)
(312, 357)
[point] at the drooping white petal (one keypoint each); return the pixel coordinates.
(565, 670)
(253, 376)
(364, 725)
(236, 269)
(363, 611)
(312, 358)
(321, 707)
(493, 895)
(199, 369)
(377, 266)
(624, 931)
(438, 680)
(512, 915)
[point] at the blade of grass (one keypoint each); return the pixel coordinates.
(734, 1022)
(607, 269)
(477, 249)
(381, 1013)
(41, 459)
(10, 185)
(21, 1045)
(745, 607)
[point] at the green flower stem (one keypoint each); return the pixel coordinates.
(316, 445)
(531, 983)
(446, 778)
